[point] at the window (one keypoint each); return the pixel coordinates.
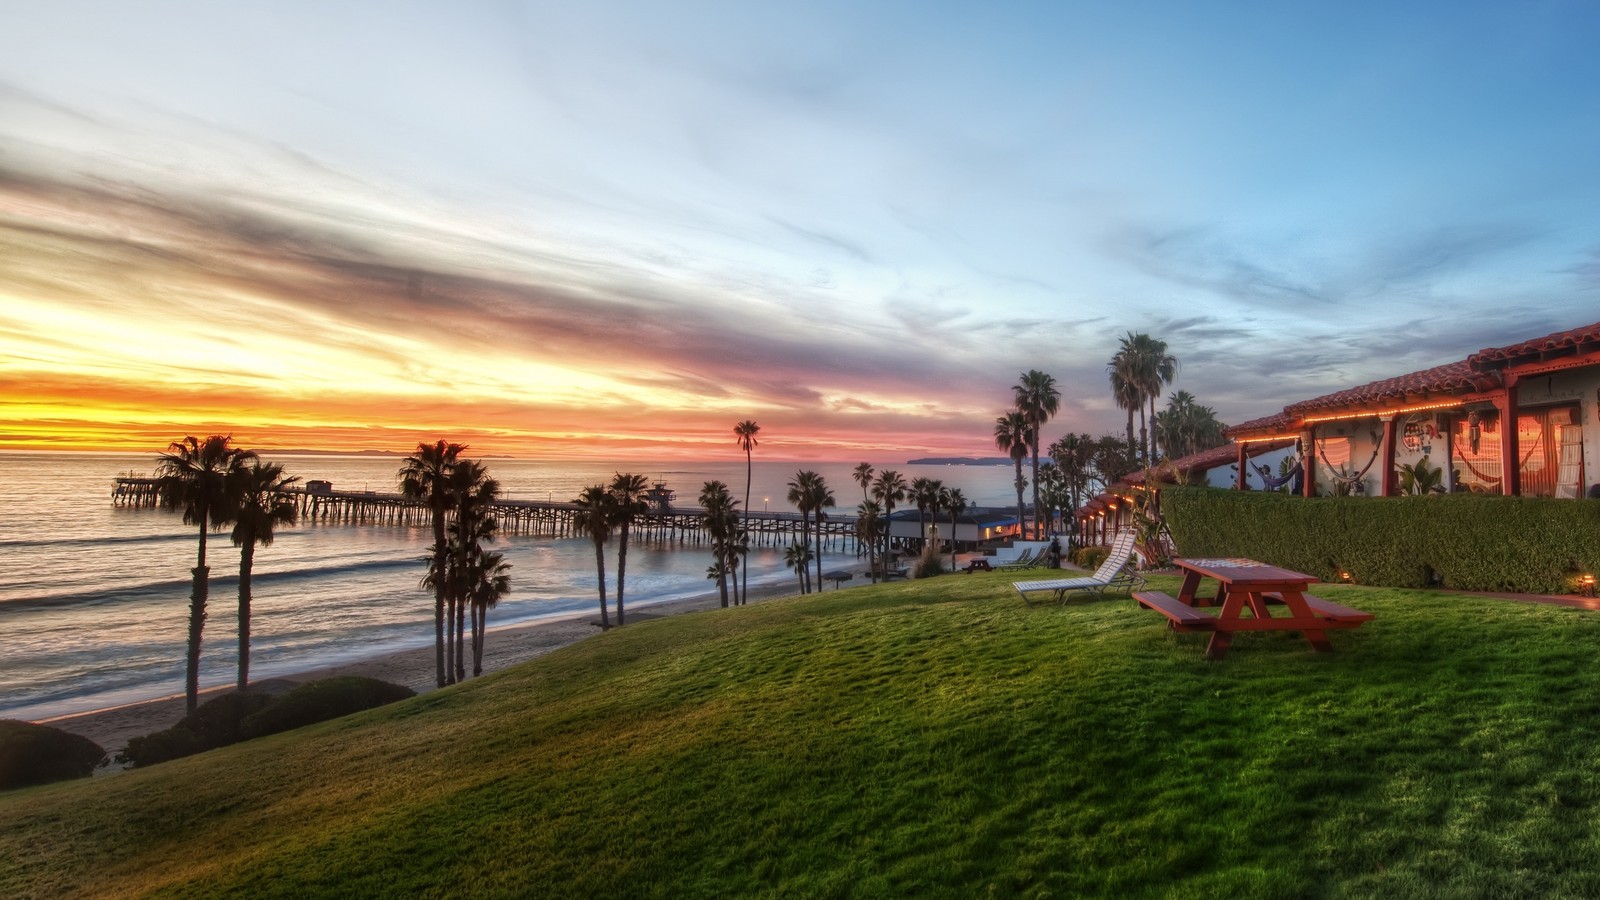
(1550, 451)
(1475, 452)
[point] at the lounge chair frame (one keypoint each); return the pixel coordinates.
(1118, 572)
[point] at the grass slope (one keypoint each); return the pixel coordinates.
(925, 738)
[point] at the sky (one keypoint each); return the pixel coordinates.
(617, 229)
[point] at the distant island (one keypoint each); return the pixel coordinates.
(960, 461)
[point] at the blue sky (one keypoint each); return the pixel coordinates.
(653, 220)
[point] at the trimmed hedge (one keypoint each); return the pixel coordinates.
(39, 754)
(318, 701)
(1468, 542)
(237, 716)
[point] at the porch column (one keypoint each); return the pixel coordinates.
(1386, 479)
(1510, 454)
(1449, 436)
(1243, 461)
(1308, 478)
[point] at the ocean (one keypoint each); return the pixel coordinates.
(94, 597)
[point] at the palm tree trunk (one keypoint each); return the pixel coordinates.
(600, 568)
(197, 620)
(438, 595)
(819, 549)
(1020, 519)
(480, 614)
(247, 558)
(952, 540)
(461, 627)
(744, 588)
(1036, 517)
(622, 567)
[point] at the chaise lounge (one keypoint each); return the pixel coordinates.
(1115, 572)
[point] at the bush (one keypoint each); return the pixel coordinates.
(929, 563)
(214, 723)
(1089, 557)
(318, 701)
(39, 754)
(1470, 542)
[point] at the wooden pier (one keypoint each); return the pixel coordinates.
(664, 522)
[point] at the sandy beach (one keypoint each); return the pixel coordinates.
(414, 668)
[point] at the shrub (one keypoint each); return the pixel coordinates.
(929, 563)
(214, 723)
(1089, 557)
(319, 701)
(39, 754)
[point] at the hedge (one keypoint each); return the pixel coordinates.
(1469, 542)
(39, 754)
(318, 701)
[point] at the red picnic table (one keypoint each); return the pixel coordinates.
(1245, 584)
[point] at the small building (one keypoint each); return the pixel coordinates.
(978, 524)
(1522, 420)
(318, 486)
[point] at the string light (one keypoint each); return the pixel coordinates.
(1374, 413)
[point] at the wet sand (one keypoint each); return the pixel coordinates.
(414, 668)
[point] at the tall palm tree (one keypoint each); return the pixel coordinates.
(1074, 456)
(821, 498)
(797, 557)
(487, 581)
(1156, 369)
(888, 490)
(925, 494)
(629, 491)
(423, 476)
(594, 517)
(721, 523)
(200, 478)
(1126, 391)
(1038, 400)
(955, 503)
(263, 506)
(869, 527)
(863, 476)
(1012, 437)
(473, 492)
(803, 494)
(746, 432)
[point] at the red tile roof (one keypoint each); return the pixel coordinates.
(1454, 378)
(1277, 423)
(1573, 339)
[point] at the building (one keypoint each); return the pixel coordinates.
(1522, 419)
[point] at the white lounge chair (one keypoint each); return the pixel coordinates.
(1115, 572)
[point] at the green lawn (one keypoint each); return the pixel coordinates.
(928, 738)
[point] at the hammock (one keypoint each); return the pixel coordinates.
(1276, 483)
(1338, 474)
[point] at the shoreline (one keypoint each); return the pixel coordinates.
(413, 667)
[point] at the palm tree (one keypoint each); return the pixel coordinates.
(1037, 399)
(594, 516)
(889, 489)
(721, 523)
(1125, 389)
(803, 494)
(955, 503)
(487, 581)
(1012, 436)
(472, 492)
(863, 476)
(1186, 426)
(424, 476)
(1074, 457)
(1157, 368)
(263, 506)
(746, 432)
(629, 492)
(797, 556)
(200, 477)
(821, 498)
(925, 494)
(869, 527)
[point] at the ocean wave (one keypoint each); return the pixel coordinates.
(86, 541)
(130, 593)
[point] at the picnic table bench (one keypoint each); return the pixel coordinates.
(977, 565)
(1246, 585)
